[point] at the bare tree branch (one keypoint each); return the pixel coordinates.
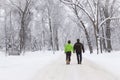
(109, 18)
(16, 6)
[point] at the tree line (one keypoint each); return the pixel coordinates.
(31, 25)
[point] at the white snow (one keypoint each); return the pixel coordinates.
(107, 61)
(24, 67)
(27, 66)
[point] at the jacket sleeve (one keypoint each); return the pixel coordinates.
(83, 48)
(74, 47)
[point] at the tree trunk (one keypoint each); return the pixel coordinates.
(22, 37)
(101, 49)
(108, 32)
(108, 36)
(51, 34)
(56, 41)
(85, 30)
(6, 41)
(88, 38)
(103, 40)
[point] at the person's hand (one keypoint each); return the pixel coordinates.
(73, 51)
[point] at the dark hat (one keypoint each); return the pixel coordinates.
(69, 41)
(78, 40)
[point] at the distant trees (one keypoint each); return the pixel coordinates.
(55, 20)
(51, 20)
(92, 10)
(18, 32)
(30, 25)
(77, 13)
(109, 11)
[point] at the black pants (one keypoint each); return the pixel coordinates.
(79, 58)
(68, 56)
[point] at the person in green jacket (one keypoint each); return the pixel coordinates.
(68, 49)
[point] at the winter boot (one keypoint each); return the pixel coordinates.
(67, 62)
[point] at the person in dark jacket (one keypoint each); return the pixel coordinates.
(79, 48)
(68, 49)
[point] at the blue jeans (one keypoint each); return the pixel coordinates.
(79, 57)
(68, 56)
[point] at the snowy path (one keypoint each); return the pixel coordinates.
(58, 70)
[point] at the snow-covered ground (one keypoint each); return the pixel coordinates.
(107, 61)
(24, 67)
(27, 66)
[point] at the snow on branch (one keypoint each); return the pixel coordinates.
(16, 6)
(70, 2)
(104, 38)
(109, 18)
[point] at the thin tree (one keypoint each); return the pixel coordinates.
(25, 18)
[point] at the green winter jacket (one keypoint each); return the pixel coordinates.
(68, 48)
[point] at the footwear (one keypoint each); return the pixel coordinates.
(67, 62)
(79, 63)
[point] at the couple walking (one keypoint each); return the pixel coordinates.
(78, 48)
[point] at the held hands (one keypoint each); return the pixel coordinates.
(73, 51)
(83, 51)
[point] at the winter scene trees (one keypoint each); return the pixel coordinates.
(30, 27)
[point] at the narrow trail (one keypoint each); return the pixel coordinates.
(58, 70)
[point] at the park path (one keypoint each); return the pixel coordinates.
(58, 70)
